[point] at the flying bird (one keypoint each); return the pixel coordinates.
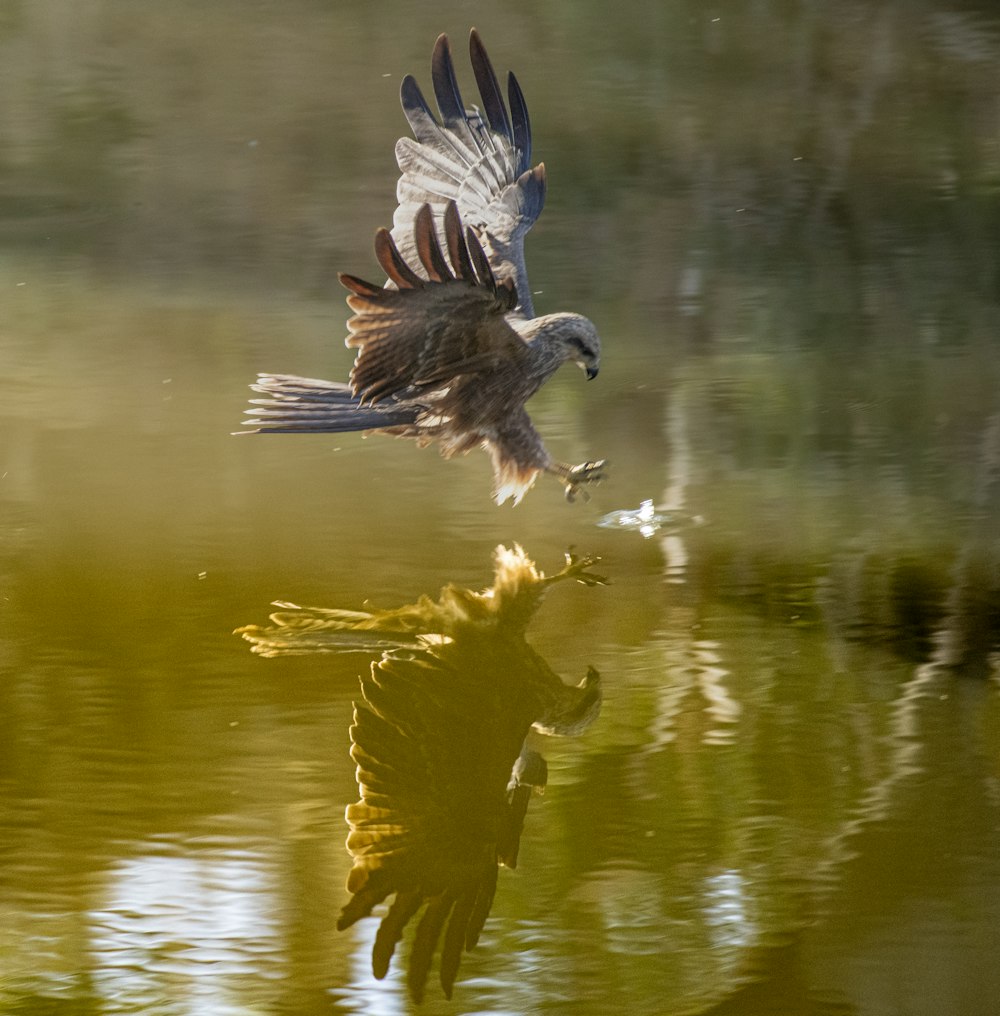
(439, 739)
(449, 348)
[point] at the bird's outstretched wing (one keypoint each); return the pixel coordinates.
(435, 742)
(479, 159)
(424, 333)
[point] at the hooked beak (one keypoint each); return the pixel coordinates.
(591, 372)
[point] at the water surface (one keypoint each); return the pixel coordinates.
(784, 221)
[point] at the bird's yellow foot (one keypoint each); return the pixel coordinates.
(577, 476)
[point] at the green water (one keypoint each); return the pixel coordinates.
(784, 220)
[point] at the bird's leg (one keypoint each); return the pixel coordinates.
(577, 568)
(574, 477)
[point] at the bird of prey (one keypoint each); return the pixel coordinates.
(438, 737)
(450, 349)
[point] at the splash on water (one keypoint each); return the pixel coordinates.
(648, 520)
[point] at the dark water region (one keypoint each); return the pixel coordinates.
(784, 220)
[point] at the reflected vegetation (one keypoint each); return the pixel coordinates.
(443, 765)
(903, 559)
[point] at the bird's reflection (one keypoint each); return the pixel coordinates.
(438, 737)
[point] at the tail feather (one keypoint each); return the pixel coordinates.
(296, 405)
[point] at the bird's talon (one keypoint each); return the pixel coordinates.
(586, 472)
(576, 568)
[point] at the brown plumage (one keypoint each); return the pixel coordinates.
(449, 349)
(439, 740)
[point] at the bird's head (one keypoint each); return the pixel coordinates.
(558, 338)
(582, 344)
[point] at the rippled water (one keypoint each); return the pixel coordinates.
(784, 221)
